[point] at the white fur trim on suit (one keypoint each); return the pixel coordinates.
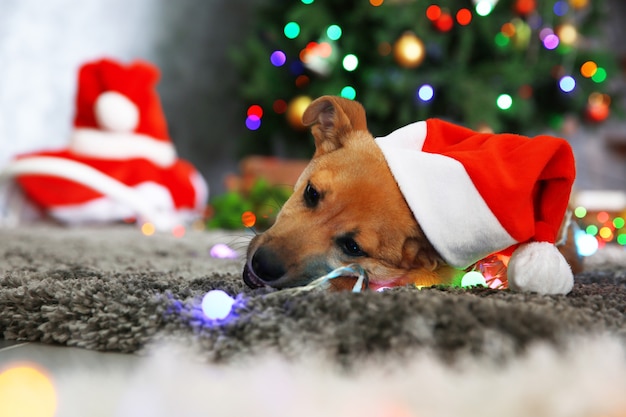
(109, 209)
(540, 267)
(158, 212)
(443, 199)
(116, 113)
(201, 188)
(121, 145)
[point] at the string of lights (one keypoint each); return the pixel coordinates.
(498, 65)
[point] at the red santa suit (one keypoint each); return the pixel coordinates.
(120, 162)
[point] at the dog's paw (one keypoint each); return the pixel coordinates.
(539, 267)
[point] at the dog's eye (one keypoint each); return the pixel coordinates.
(350, 247)
(311, 196)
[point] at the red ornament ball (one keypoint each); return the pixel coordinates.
(248, 218)
(597, 112)
(464, 17)
(525, 7)
(433, 12)
(598, 107)
(444, 23)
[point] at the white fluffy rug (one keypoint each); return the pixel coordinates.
(589, 380)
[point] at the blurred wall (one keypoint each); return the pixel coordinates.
(199, 85)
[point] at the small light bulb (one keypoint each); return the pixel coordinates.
(217, 305)
(473, 279)
(587, 244)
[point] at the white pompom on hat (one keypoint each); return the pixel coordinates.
(116, 113)
(475, 194)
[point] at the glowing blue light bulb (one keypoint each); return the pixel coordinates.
(278, 58)
(560, 8)
(253, 122)
(586, 244)
(426, 92)
(217, 305)
(567, 84)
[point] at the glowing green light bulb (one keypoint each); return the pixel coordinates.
(473, 279)
(292, 30)
(504, 101)
(333, 32)
(580, 212)
(348, 92)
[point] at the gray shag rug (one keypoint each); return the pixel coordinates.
(114, 289)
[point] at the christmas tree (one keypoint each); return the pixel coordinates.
(509, 65)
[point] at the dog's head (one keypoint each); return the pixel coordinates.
(346, 208)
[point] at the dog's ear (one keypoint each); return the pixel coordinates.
(418, 253)
(332, 118)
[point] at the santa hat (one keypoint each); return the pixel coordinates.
(475, 194)
(119, 115)
(120, 161)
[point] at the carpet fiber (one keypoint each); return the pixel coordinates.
(114, 289)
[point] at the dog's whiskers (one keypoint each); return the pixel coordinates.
(279, 204)
(235, 242)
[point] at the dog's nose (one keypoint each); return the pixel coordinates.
(266, 265)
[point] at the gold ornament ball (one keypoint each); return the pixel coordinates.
(409, 50)
(567, 33)
(523, 32)
(295, 110)
(579, 4)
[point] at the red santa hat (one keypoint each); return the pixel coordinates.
(120, 161)
(475, 194)
(119, 115)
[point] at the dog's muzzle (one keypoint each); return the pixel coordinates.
(263, 268)
(251, 279)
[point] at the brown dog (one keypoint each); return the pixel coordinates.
(346, 208)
